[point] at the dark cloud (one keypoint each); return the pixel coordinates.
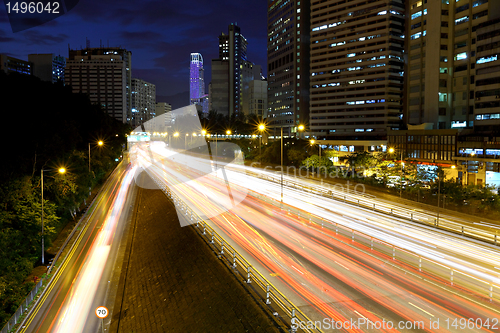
(36, 38)
(160, 34)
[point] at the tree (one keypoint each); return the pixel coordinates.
(296, 156)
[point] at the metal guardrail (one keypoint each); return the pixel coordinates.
(273, 298)
(368, 244)
(490, 236)
(391, 254)
(22, 308)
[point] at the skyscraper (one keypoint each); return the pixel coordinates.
(227, 72)
(197, 94)
(442, 41)
(288, 64)
(105, 74)
(196, 78)
(357, 68)
(487, 101)
(143, 102)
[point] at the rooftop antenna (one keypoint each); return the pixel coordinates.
(87, 43)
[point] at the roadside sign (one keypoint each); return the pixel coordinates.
(101, 312)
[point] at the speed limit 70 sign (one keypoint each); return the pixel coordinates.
(101, 312)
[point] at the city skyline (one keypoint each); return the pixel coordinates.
(160, 38)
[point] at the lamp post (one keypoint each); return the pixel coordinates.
(99, 143)
(60, 170)
(281, 165)
(262, 127)
(176, 135)
(467, 171)
(300, 128)
(391, 150)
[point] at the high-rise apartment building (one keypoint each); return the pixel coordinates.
(105, 74)
(10, 65)
(487, 91)
(442, 57)
(143, 102)
(48, 67)
(357, 67)
(288, 33)
(227, 72)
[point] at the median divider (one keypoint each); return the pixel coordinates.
(489, 235)
(273, 299)
(392, 254)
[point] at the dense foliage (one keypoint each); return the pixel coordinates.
(45, 126)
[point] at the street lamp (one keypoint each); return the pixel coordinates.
(301, 128)
(467, 171)
(281, 165)
(99, 143)
(392, 150)
(228, 132)
(312, 143)
(261, 127)
(60, 170)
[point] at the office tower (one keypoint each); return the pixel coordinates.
(48, 67)
(288, 33)
(487, 82)
(256, 98)
(227, 72)
(143, 102)
(254, 88)
(105, 74)
(442, 42)
(164, 108)
(197, 94)
(13, 65)
(196, 78)
(357, 68)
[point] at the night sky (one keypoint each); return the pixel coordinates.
(160, 34)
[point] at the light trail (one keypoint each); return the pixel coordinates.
(76, 309)
(305, 257)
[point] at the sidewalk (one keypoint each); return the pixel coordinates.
(172, 281)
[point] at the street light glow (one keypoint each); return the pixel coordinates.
(262, 127)
(62, 170)
(391, 150)
(203, 132)
(228, 132)
(301, 127)
(100, 143)
(312, 141)
(176, 134)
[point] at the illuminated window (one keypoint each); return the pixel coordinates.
(417, 14)
(487, 59)
(461, 20)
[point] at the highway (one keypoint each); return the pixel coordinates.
(326, 273)
(81, 284)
